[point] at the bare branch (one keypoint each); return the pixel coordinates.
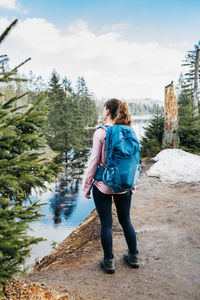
(5, 33)
(17, 67)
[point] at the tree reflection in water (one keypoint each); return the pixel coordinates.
(67, 186)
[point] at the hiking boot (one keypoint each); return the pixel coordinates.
(131, 259)
(108, 264)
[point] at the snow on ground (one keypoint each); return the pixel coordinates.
(174, 165)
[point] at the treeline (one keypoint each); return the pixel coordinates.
(137, 107)
(71, 110)
(188, 114)
(144, 108)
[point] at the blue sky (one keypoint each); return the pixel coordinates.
(167, 21)
(174, 26)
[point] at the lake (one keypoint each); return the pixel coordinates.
(66, 206)
(139, 123)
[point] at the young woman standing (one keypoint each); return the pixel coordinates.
(115, 112)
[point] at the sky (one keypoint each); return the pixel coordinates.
(124, 49)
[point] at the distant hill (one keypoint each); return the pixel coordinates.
(144, 100)
(144, 106)
(140, 106)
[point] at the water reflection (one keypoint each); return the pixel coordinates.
(64, 200)
(62, 205)
(65, 206)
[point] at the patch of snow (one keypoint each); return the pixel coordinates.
(174, 165)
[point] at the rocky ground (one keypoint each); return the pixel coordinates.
(166, 219)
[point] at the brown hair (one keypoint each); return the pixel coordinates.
(119, 111)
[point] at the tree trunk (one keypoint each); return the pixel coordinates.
(170, 136)
(196, 83)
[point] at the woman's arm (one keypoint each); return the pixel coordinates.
(94, 161)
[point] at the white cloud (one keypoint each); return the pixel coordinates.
(12, 5)
(111, 65)
(8, 4)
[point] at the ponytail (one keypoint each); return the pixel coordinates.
(119, 111)
(123, 115)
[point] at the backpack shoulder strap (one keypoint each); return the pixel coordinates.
(103, 126)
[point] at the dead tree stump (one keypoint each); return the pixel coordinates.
(170, 135)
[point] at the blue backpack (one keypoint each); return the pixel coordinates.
(123, 165)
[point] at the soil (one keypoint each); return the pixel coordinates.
(166, 220)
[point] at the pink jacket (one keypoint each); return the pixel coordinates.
(98, 156)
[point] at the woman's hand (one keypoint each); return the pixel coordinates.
(134, 190)
(87, 195)
(86, 191)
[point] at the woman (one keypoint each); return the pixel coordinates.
(115, 112)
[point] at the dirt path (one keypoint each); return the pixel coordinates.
(166, 219)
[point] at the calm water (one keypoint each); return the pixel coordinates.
(139, 123)
(66, 206)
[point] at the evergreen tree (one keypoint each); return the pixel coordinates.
(56, 99)
(193, 75)
(189, 120)
(36, 86)
(70, 113)
(64, 115)
(87, 104)
(21, 170)
(68, 87)
(151, 143)
(76, 137)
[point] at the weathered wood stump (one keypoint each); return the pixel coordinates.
(170, 136)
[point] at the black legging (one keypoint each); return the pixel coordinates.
(103, 203)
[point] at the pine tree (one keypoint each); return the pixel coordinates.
(87, 104)
(189, 119)
(36, 86)
(56, 99)
(70, 113)
(193, 75)
(21, 170)
(152, 141)
(189, 122)
(64, 115)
